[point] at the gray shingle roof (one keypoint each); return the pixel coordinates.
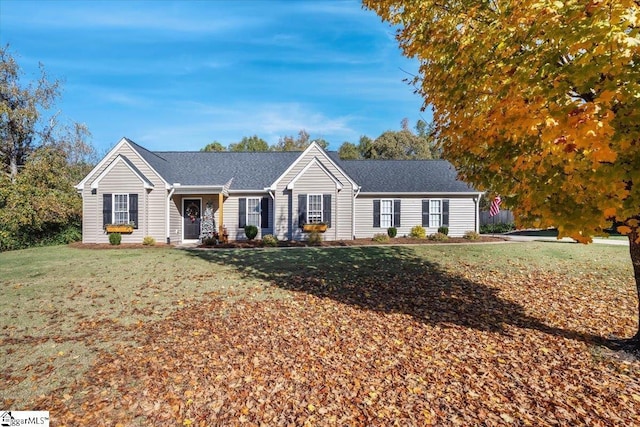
(249, 170)
(258, 170)
(404, 176)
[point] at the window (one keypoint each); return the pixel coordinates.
(253, 211)
(314, 208)
(386, 213)
(121, 209)
(435, 213)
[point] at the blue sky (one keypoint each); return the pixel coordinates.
(178, 75)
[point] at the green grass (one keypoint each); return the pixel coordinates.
(63, 306)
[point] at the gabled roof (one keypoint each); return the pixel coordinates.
(251, 171)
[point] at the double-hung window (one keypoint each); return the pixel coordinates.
(386, 213)
(121, 209)
(435, 213)
(253, 211)
(314, 208)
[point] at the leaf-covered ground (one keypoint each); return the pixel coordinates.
(483, 335)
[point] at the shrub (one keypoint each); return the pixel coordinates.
(497, 228)
(438, 237)
(418, 232)
(148, 241)
(392, 232)
(115, 238)
(251, 231)
(444, 230)
(471, 235)
(209, 241)
(315, 238)
(380, 238)
(269, 240)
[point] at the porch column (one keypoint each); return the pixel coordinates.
(221, 214)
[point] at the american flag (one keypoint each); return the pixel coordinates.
(495, 206)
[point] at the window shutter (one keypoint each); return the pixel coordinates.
(445, 212)
(326, 209)
(376, 213)
(133, 209)
(106, 209)
(425, 213)
(242, 209)
(264, 212)
(396, 213)
(302, 210)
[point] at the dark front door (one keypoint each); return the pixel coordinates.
(192, 217)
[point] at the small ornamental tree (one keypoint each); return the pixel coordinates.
(537, 101)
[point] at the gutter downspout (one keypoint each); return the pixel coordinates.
(353, 212)
(169, 196)
(477, 213)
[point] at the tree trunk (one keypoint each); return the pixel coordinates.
(634, 250)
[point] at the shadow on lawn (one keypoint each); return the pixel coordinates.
(387, 279)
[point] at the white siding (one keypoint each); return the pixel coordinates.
(121, 179)
(315, 180)
(462, 214)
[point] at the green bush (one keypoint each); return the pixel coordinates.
(438, 237)
(392, 232)
(251, 231)
(418, 232)
(380, 238)
(315, 238)
(115, 238)
(471, 235)
(497, 228)
(444, 230)
(148, 241)
(269, 240)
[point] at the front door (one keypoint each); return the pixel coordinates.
(192, 218)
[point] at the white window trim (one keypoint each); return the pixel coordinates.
(246, 214)
(113, 207)
(393, 213)
(440, 213)
(321, 207)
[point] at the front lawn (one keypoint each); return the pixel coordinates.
(414, 335)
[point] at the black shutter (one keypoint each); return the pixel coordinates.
(326, 209)
(133, 209)
(242, 209)
(396, 213)
(445, 212)
(302, 210)
(106, 209)
(425, 213)
(376, 213)
(264, 212)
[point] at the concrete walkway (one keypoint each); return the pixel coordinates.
(598, 240)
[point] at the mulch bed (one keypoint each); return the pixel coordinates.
(250, 244)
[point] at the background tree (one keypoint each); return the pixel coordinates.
(402, 144)
(348, 151)
(537, 100)
(214, 146)
(426, 133)
(20, 111)
(42, 160)
(289, 143)
(365, 145)
(250, 143)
